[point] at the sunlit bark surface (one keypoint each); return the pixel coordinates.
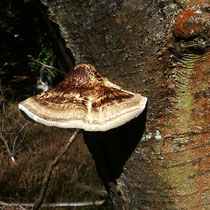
(159, 49)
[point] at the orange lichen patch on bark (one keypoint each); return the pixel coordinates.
(201, 2)
(187, 25)
(194, 3)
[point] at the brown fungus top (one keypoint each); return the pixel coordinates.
(84, 100)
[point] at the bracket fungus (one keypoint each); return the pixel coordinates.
(84, 100)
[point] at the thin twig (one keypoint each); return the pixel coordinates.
(2, 125)
(2, 98)
(46, 66)
(15, 140)
(7, 147)
(21, 141)
(12, 151)
(49, 171)
(59, 205)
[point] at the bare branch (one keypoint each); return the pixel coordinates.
(12, 147)
(16, 137)
(19, 144)
(46, 66)
(2, 125)
(49, 171)
(7, 147)
(2, 98)
(59, 205)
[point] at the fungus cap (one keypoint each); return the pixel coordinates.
(84, 100)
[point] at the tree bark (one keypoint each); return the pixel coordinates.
(161, 50)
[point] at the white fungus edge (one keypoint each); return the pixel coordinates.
(115, 122)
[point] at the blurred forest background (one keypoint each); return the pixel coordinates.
(26, 148)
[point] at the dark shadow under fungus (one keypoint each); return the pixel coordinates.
(111, 149)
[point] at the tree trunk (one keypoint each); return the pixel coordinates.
(159, 49)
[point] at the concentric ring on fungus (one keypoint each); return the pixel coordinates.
(84, 100)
